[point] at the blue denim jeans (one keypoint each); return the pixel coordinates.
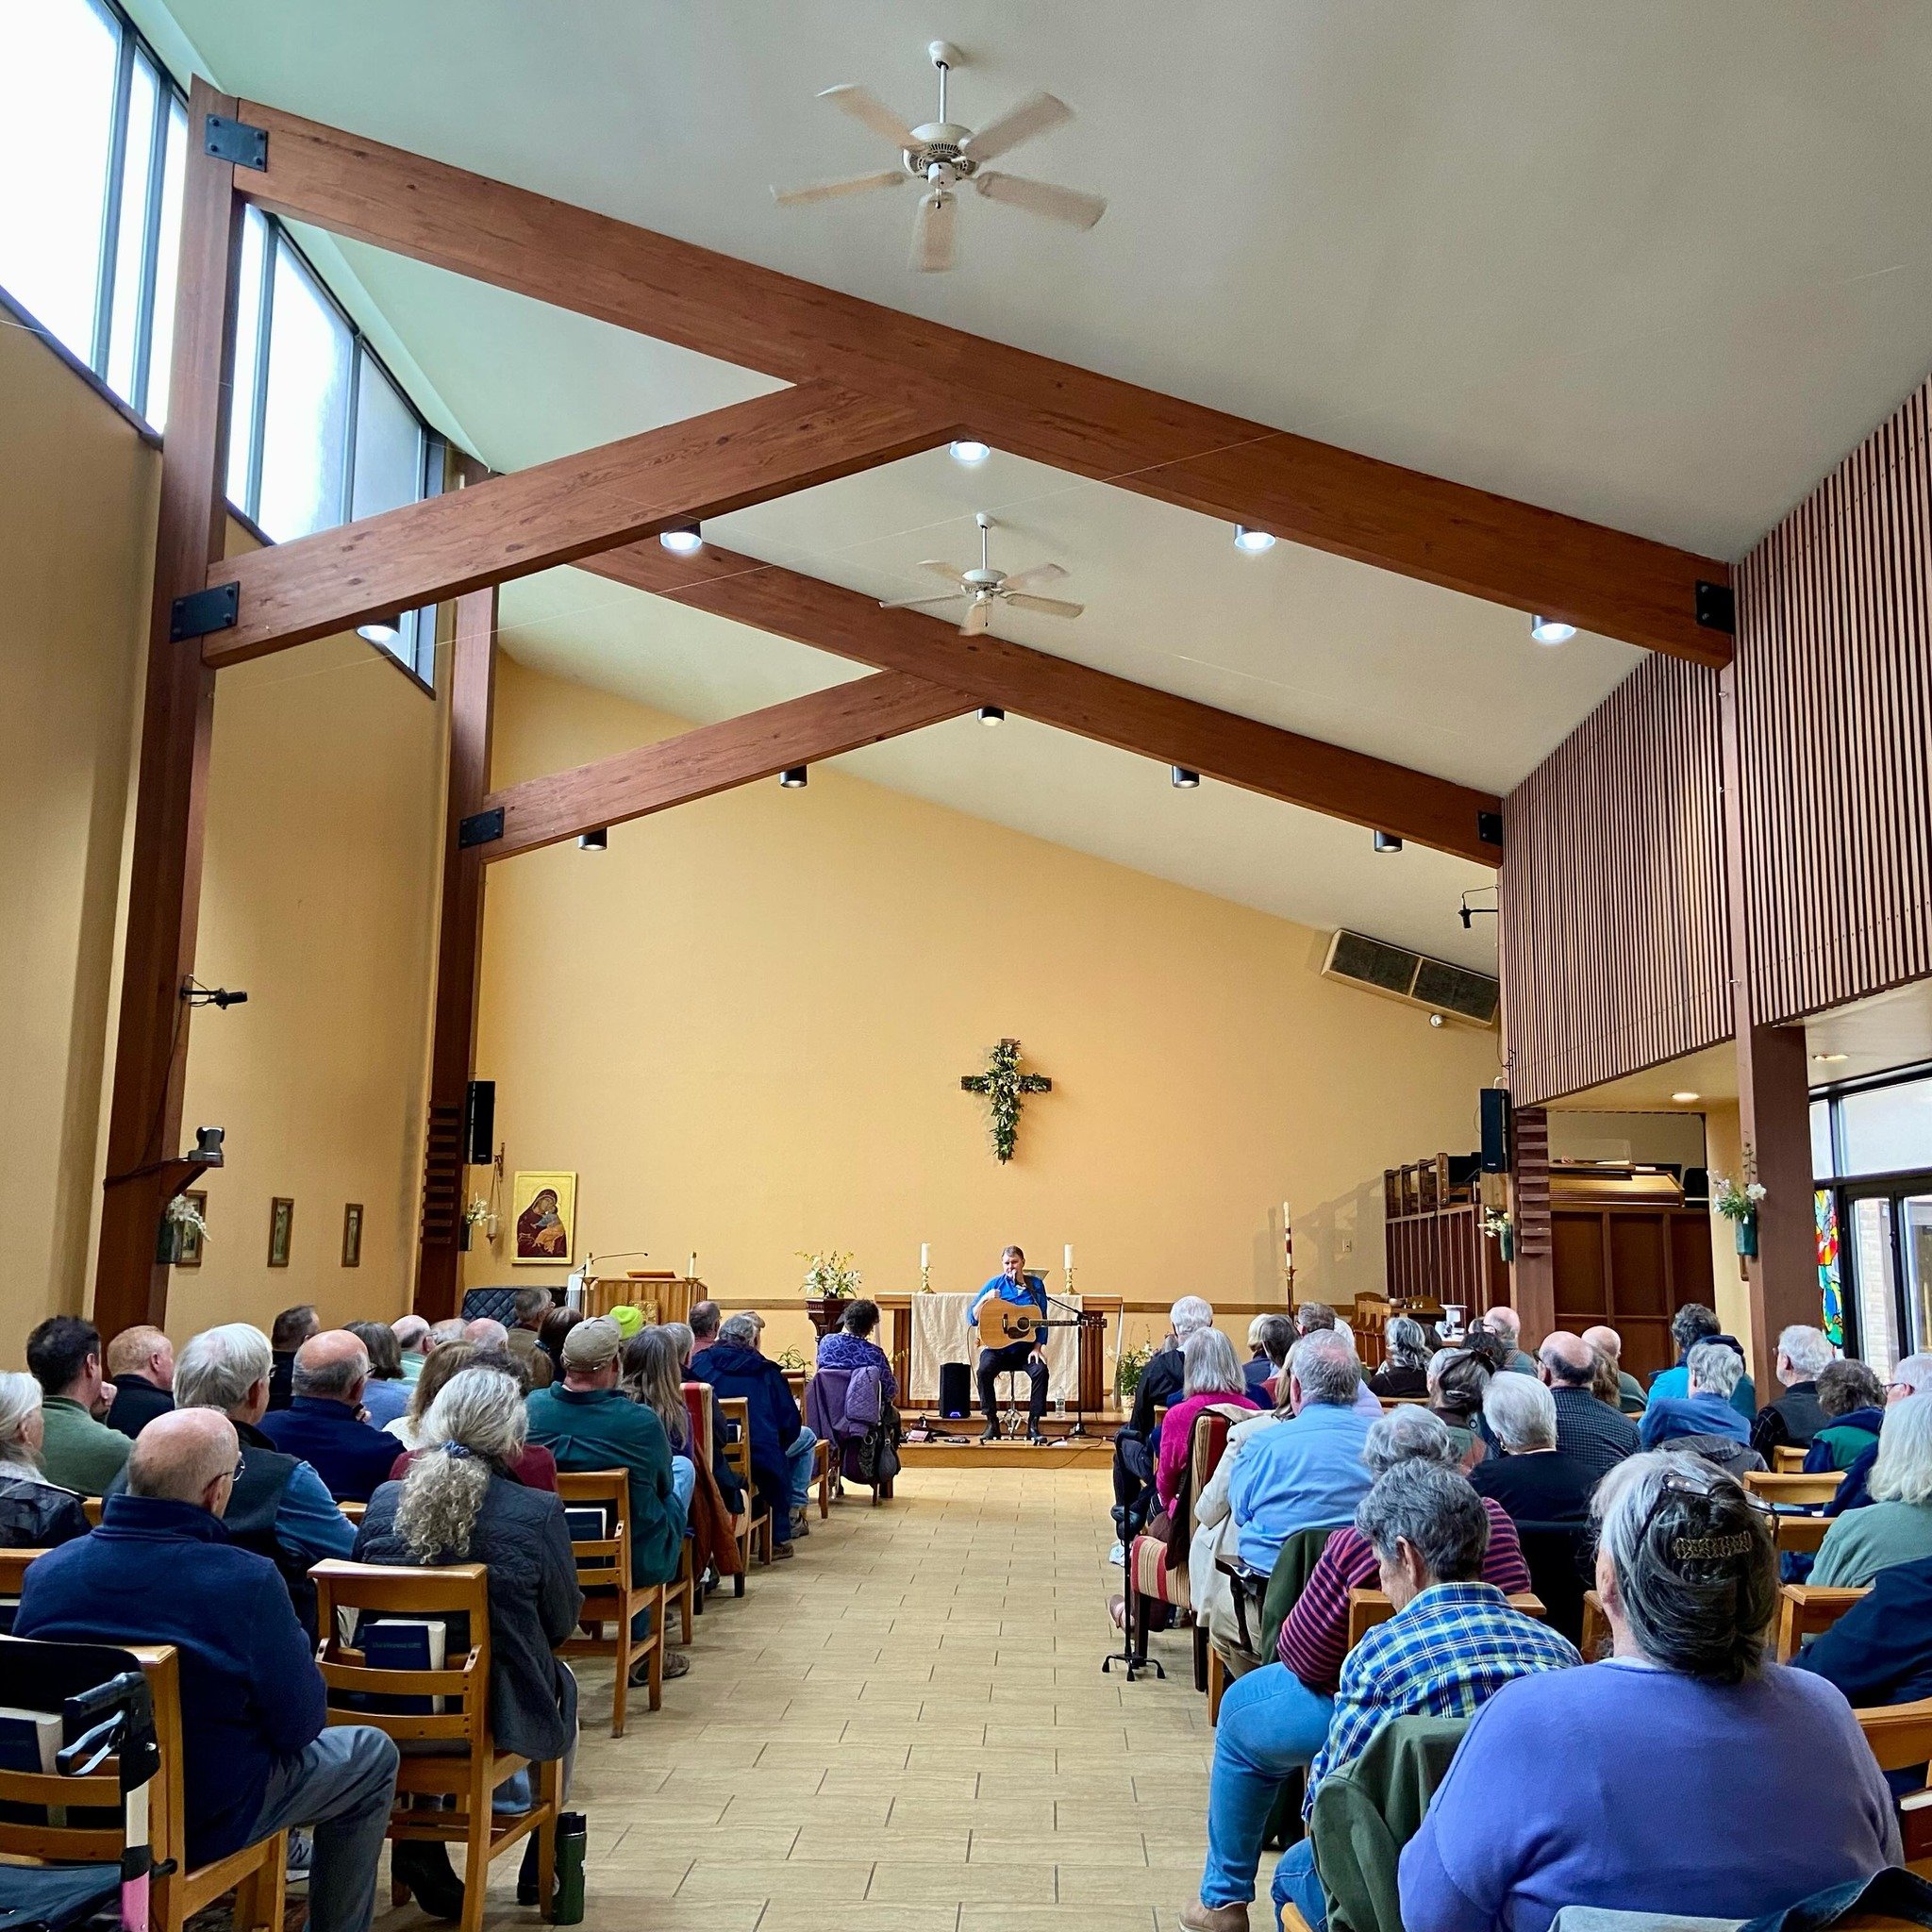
(1295, 1884)
(1271, 1724)
(798, 1458)
(684, 1479)
(342, 1785)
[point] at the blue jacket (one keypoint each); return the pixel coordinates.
(1298, 1476)
(733, 1370)
(1841, 1440)
(1669, 1383)
(1880, 1651)
(157, 1572)
(350, 1456)
(1703, 1414)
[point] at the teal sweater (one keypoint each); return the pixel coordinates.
(1861, 1542)
(603, 1428)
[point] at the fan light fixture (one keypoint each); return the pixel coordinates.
(384, 631)
(992, 714)
(1683, 1099)
(985, 587)
(597, 841)
(1253, 541)
(793, 777)
(1184, 780)
(1388, 841)
(969, 452)
(683, 542)
(1550, 630)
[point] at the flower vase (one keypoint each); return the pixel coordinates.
(1509, 1244)
(1747, 1236)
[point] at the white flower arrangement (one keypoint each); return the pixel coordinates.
(1737, 1201)
(830, 1277)
(1498, 1223)
(183, 1214)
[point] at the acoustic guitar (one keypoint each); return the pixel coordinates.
(1002, 1323)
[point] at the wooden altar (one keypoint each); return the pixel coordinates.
(657, 1294)
(1096, 1392)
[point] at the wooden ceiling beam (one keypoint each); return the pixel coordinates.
(1468, 540)
(714, 757)
(1264, 759)
(555, 512)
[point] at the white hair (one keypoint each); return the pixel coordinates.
(19, 1401)
(1325, 1367)
(1190, 1313)
(1211, 1367)
(1715, 1366)
(1806, 1349)
(220, 1365)
(1902, 1471)
(1915, 1373)
(1505, 1322)
(477, 1423)
(1522, 1411)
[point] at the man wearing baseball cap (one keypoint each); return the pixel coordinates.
(588, 1423)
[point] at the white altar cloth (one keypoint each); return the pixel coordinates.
(939, 1334)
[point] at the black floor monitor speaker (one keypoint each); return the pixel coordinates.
(1496, 1130)
(479, 1124)
(955, 1388)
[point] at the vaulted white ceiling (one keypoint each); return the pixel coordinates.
(1654, 263)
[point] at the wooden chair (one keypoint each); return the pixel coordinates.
(1796, 1532)
(354, 1511)
(1788, 1461)
(822, 1475)
(471, 1775)
(1809, 1609)
(91, 1508)
(13, 1569)
(681, 1592)
(609, 1596)
(1153, 1580)
(1793, 1491)
(754, 1526)
(1368, 1607)
(1596, 1628)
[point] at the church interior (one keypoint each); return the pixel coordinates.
(1000, 967)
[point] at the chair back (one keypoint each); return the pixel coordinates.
(456, 1698)
(1793, 1491)
(603, 1559)
(1561, 1558)
(825, 1405)
(1806, 1533)
(1809, 1609)
(1368, 1607)
(13, 1568)
(1900, 1735)
(1787, 1460)
(1207, 1445)
(736, 1410)
(697, 1405)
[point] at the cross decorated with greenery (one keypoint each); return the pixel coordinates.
(1003, 1083)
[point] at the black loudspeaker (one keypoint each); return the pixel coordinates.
(1696, 1187)
(479, 1124)
(955, 1388)
(1496, 1130)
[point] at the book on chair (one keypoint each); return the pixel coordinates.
(405, 1643)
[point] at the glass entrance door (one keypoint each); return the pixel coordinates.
(1875, 1274)
(1888, 1246)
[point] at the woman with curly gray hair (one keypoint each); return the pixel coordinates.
(459, 1503)
(1644, 1783)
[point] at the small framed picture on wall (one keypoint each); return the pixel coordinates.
(281, 1229)
(352, 1235)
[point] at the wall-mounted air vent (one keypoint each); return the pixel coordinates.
(1397, 974)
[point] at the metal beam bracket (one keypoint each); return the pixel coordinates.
(1717, 607)
(1489, 827)
(217, 608)
(228, 139)
(480, 827)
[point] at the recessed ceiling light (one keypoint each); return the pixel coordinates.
(1831, 1059)
(1682, 1097)
(969, 452)
(1388, 841)
(682, 541)
(1184, 780)
(380, 630)
(1253, 541)
(793, 777)
(992, 714)
(597, 841)
(1550, 630)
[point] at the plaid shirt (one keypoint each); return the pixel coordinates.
(1592, 1432)
(1444, 1655)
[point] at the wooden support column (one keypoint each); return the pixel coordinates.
(458, 960)
(1773, 1100)
(177, 718)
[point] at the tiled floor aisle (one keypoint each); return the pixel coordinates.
(904, 1728)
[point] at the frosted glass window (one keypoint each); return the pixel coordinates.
(305, 417)
(389, 444)
(1887, 1129)
(56, 145)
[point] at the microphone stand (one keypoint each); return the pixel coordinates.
(1054, 1301)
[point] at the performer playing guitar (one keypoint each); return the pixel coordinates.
(1019, 1309)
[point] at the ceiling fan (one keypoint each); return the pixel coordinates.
(941, 153)
(985, 587)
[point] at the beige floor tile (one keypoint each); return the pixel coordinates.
(919, 1884)
(821, 1881)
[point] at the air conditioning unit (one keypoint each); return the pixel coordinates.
(1397, 974)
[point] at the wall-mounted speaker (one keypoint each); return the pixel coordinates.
(479, 1124)
(1497, 1128)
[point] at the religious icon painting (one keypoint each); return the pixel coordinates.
(352, 1235)
(282, 1230)
(544, 1208)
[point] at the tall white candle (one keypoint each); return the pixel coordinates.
(924, 1256)
(1068, 1259)
(692, 1267)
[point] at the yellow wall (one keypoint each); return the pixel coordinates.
(319, 897)
(1721, 1144)
(745, 1025)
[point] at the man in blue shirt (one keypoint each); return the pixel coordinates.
(1023, 1291)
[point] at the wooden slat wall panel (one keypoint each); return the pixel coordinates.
(1614, 929)
(1834, 675)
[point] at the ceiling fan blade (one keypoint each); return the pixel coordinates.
(950, 572)
(1028, 580)
(1034, 115)
(1069, 205)
(932, 234)
(1047, 606)
(870, 111)
(917, 603)
(831, 190)
(978, 615)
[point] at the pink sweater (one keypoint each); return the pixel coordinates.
(1177, 1435)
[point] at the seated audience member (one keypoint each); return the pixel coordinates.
(1913, 1377)
(557, 1324)
(459, 1503)
(286, 1335)
(651, 1374)
(486, 1332)
(78, 1450)
(1604, 1384)
(1853, 1402)
(533, 1465)
(323, 1422)
(1588, 1431)
(588, 1423)
(706, 1318)
(437, 1369)
(1685, 1775)
(385, 1394)
(279, 1506)
(1404, 1369)
(441, 1334)
(1630, 1390)
(1458, 1379)
(1307, 1472)
(1452, 1644)
(1269, 1338)
(1693, 1323)
(1705, 1422)
(782, 1477)
(1880, 1651)
(413, 1339)
(1216, 1533)
(35, 1514)
(260, 1753)
(526, 1324)
(141, 1367)
(1507, 1325)
(1159, 1386)
(1794, 1418)
(850, 1346)
(1896, 1525)
(1487, 1342)
(1533, 1479)
(1211, 1378)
